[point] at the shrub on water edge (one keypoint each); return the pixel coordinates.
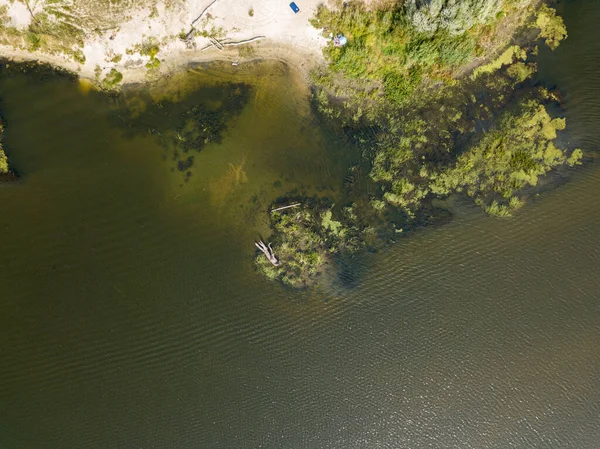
(112, 79)
(153, 64)
(3, 162)
(3, 159)
(150, 48)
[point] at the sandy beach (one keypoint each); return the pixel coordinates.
(279, 32)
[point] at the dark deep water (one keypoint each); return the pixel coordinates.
(130, 316)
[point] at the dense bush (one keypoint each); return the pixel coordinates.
(452, 16)
(384, 47)
(305, 238)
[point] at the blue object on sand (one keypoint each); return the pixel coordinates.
(294, 7)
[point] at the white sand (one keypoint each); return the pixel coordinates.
(288, 36)
(18, 15)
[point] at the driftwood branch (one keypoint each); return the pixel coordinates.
(189, 35)
(267, 251)
(247, 41)
(202, 13)
(285, 207)
(216, 43)
(231, 44)
(33, 17)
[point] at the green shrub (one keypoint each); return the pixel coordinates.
(303, 240)
(34, 40)
(79, 57)
(112, 79)
(150, 48)
(153, 64)
(383, 48)
(3, 162)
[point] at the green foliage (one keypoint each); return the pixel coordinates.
(384, 48)
(552, 27)
(79, 57)
(34, 41)
(153, 64)
(3, 159)
(575, 158)
(304, 240)
(434, 147)
(54, 31)
(508, 57)
(150, 48)
(520, 71)
(299, 246)
(331, 225)
(454, 17)
(112, 79)
(3, 162)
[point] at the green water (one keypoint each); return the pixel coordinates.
(130, 315)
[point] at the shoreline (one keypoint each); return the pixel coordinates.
(301, 61)
(147, 42)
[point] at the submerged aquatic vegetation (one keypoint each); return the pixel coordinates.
(221, 188)
(483, 138)
(112, 79)
(182, 125)
(511, 156)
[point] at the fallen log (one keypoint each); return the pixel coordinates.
(268, 252)
(231, 44)
(286, 207)
(189, 35)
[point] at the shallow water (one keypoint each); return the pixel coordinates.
(130, 315)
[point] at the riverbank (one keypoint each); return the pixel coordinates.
(157, 39)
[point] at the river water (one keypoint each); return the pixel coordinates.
(130, 315)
